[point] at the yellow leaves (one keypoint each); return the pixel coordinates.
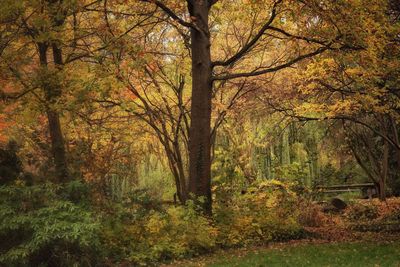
(355, 71)
(156, 224)
(313, 110)
(344, 107)
(320, 68)
(261, 214)
(353, 82)
(272, 182)
(179, 230)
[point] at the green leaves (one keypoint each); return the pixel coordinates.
(36, 218)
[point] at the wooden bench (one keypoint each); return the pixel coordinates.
(369, 188)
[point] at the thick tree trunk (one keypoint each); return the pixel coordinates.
(52, 94)
(200, 128)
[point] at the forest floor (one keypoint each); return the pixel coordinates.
(366, 249)
(333, 244)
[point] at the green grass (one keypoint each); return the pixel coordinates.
(341, 254)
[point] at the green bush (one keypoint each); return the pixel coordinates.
(40, 227)
(294, 172)
(10, 163)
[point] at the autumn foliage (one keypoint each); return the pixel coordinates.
(140, 131)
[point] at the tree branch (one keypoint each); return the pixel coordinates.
(171, 13)
(310, 40)
(252, 42)
(272, 69)
(339, 117)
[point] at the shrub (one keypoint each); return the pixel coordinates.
(392, 216)
(180, 231)
(51, 225)
(360, 212)
(265, 211)
(10, 163)
(311, 215)
(39, 227)
(157, 234)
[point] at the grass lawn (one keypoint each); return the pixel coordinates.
(337, 254)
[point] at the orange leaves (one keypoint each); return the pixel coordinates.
(5, 119)
(128, 95)
(4, 124)
(9, 86)
(153, 66)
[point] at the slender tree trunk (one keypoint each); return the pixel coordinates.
(182, 178)
(381, 190)
(200, 128)
(385, 170)
(52, 94)
(176, 168)
(396, 140)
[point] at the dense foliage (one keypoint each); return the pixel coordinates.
(41, 224)
(48, 224)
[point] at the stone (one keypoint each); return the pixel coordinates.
(338, 203)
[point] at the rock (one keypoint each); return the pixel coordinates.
(338, 203)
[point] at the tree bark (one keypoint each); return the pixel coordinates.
(176, 166)
(57, 145)
(200, 127)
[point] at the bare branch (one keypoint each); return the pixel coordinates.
(171, 13)
(291, 114)
(307, 39)
(245, 49)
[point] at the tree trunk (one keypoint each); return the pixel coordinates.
(396, 140)
(384, 174)
(57, 145)
(381, 190)
(200, 127)
(176, 168)
(52, 94)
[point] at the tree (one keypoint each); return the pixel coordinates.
(40, 40)
(359, 89)
(205, 23)
(36, 26)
